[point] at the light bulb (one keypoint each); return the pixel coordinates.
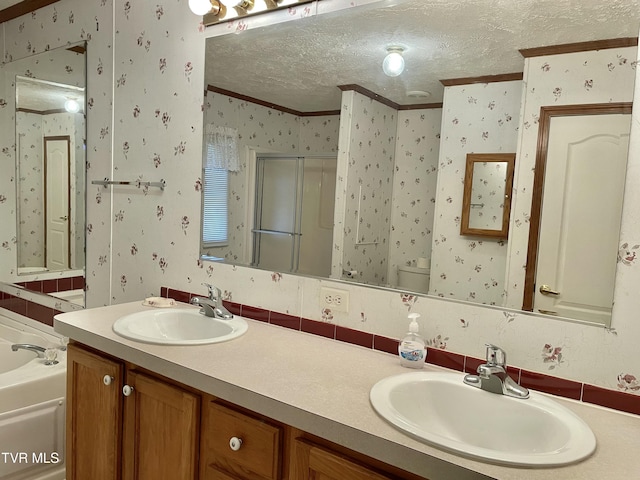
(393, 63)
(72, 106)
(200, 7)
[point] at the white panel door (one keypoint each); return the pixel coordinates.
(57, 202)
(581, 213)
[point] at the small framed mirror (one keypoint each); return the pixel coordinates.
(486, 203)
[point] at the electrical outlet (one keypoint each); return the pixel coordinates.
(335, 299)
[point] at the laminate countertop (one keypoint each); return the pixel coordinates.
(322, 386)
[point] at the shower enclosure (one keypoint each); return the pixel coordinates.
(293, 216)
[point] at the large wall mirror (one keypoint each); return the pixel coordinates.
(50, 170)
(392, 161)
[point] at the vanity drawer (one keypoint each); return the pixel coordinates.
(258, 457)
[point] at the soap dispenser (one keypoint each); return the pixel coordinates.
(411, 350)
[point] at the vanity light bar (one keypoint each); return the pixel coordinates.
(247, 9)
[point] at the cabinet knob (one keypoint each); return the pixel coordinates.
(235, 443)
(127, 390)
(107, 379)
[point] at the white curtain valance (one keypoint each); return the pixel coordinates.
(222, 147)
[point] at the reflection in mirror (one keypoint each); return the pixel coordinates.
(487, 194)
(400, 156)
(576, 213)
(50, 132)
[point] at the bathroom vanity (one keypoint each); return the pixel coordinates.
(271, 404)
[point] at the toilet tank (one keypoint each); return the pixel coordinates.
(413, 279)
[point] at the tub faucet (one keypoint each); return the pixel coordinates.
(492, 376)
(28, 346)
(212, 306)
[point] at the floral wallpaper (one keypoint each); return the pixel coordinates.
(364, 189)
(30, 252)
(414, 188)
(262, 130)
(152, 54)
(476, 118)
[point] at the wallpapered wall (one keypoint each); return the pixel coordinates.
(478, 118)
(414, 188)
(263, 130)
(157, 112)
(364, 188)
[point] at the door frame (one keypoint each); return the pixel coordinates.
(546, 114)
(67, 138)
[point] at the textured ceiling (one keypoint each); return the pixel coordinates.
(299, 64)
(41, 95)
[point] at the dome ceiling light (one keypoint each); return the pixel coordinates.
(393, 63)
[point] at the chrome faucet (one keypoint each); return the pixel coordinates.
(28, 346)
(212, 306)
(492, 376)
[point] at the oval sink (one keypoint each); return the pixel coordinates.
(441, 410)
(180, 326)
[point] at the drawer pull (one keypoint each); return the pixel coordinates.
(127, 390)
(107, 379)
(235, 443)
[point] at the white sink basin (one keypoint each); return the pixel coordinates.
(441, 410)
(178, 326)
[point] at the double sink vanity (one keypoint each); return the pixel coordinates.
(175, 394)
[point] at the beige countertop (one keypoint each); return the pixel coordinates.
(322, 386)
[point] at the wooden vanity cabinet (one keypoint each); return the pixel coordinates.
(161, 430)
(150, 433)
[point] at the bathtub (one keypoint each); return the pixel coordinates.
(32, 406)
(74, 296)
(31, 270)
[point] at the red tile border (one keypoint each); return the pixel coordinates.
(49, 286)
(553, 385)
(445, 359)
(40, 313)
(78, 283)
(179, 295)
(385, 344)
(233, 307)
(284, 320)
(255, 313)
(626, 402)
(356, 337)
(614, 399)
(322, 329)
(65, 284)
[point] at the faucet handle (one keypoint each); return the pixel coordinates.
(214, 292)
(496, 356)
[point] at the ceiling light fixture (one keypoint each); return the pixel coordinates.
(393, 63)
(72, 106)
(216, 11)
(203, 7)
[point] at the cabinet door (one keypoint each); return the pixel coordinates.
(160, 431)
(316, 463)
(94, 416)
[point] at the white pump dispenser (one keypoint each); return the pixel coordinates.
(412, 350)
